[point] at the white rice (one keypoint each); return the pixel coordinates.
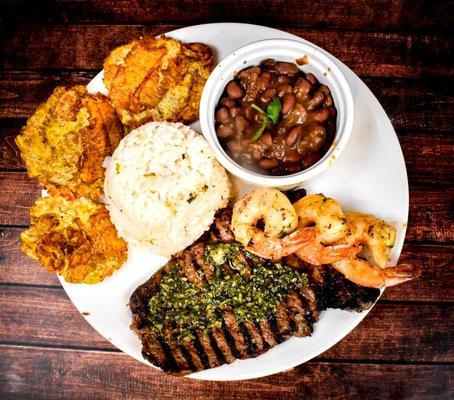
(163, 187)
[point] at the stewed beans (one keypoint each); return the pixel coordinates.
(304, 116)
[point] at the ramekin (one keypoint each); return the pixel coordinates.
(318, 63)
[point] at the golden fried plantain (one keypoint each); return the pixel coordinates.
(157, 79)
(73, 238)
(66, 140)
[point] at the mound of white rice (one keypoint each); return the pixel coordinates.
(163, 187)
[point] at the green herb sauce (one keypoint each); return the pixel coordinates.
(252, 297)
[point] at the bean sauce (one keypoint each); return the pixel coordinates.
(305, 128)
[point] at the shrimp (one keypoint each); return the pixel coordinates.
(323, 213)
(364, 274)
(267, 205)
(324, 216)
(279, 218)
(375, 234)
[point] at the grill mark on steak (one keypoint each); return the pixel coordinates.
(294, 316)
(283, 322)
(194, 356)
(249, 342)
(255, 336)
(297, 312)
(221, 343)
(209, 352)
(233, 331)
(221, 226)
(152, 348)
(268, 334)
(176, 352)
(187, 266)
(171, 362)
(197, 251)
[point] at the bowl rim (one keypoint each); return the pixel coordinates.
(214, 87)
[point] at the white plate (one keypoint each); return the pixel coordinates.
(369, 176)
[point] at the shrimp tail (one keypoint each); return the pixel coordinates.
(316, 254)
(401, 273)
(276, 248)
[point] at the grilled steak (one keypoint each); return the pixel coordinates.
(231, 330)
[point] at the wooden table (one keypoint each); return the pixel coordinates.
(403, 51)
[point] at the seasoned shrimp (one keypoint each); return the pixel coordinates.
(324, 216)
(373, 233)
(364, 274)
(272, 208)
(267, 205)
(323, 213)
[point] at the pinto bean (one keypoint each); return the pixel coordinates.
(222, 115)
(268, 163)
(234, 111)
(321, 115)
(224, 130)
(316, 100)
(234, 90)
(227, 102)
(302, 89)
(266, 139)
(286, 68)
(293, 157)
(288, 101)
(294, 135)
(283, 89)
(240, 123)
(311, 78)
(268, 95)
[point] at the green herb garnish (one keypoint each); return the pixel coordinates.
(271, 115)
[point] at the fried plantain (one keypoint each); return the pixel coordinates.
(74, 238)
(66, 140)
(157, 79)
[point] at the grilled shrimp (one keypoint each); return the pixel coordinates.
(323, 213)
(373, 233)
(325, 217)
(267, 205)
(364, 274)
(274, 210)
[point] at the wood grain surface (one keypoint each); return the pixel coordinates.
(404, 349)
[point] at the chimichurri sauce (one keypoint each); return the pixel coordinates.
(251, 297)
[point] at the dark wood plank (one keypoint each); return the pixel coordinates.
(434, 285)
(431, 210)
(412, 105)
(431, 215)
(68, 374)
(428, 158)
(397, 332)
(22, 92)
(44, 316)
(368, 54)
(352, 14)
(18, 193)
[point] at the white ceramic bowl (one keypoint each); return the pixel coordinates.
(319, 63)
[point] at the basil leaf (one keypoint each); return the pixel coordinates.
(259, 131)
(274, 109)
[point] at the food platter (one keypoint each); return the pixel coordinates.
(369, 176)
